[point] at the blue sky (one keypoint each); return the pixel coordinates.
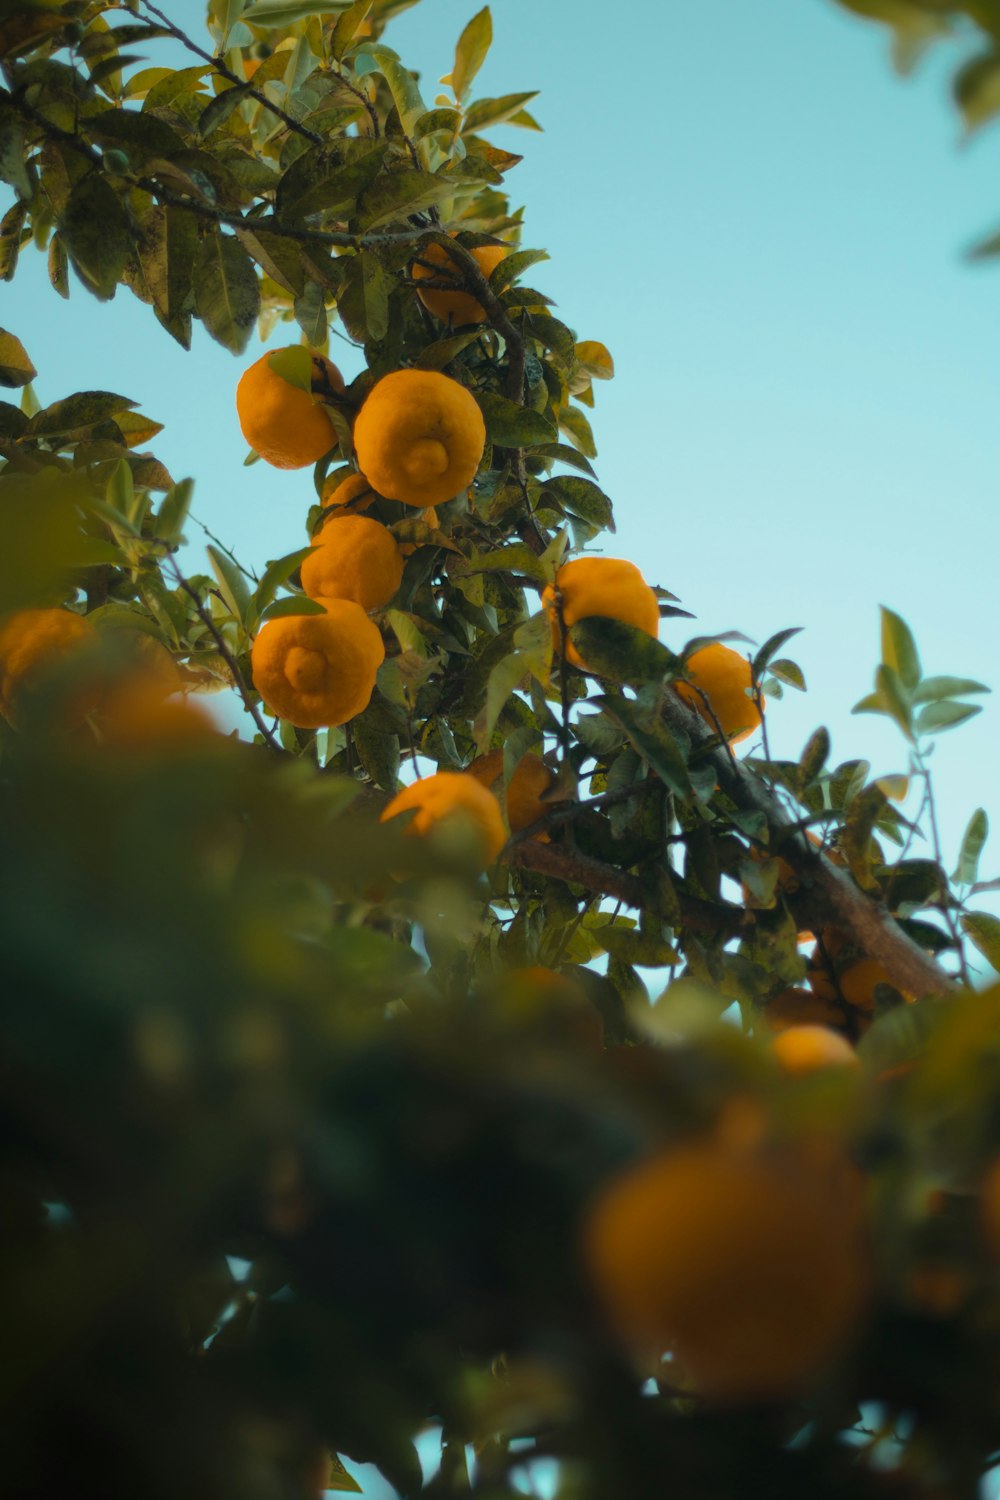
(765, 227)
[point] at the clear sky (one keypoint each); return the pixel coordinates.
(765, 227)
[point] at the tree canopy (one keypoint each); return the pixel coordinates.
(638, 1114)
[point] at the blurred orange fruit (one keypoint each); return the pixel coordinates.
(452, 798)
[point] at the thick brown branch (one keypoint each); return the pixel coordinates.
(579, 869)
(828, 894)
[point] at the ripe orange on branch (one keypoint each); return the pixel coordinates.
(724, 677)
(282, 422)
(318, 671)
(748, 1264)
(452, 798)
(524, 799)
(806, 1048)
(607, 586)
(458, 307)
(419, 437)
(355, 558)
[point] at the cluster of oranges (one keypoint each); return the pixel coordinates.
(418, 439)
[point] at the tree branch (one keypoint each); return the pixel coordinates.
(828, 893)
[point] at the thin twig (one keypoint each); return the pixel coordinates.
(946, 909)
(223, 71)
(205, 616)
(229, 553)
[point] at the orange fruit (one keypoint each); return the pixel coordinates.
(282, 423)
(345, 491)
(355, 558)
(526, 792)
(149, 722)
(724, 676)
(34, 645)
(855, 980)
(452, 798)
(749, 1264)
(524, 799)
(805, 1048)
(419, 437)
(798, 1007)
(318, 670)
(606, 586)
(458, 307)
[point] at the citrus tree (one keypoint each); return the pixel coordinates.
(500, 1039)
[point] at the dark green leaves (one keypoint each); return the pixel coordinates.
(226, 291)
(96, 233)
(329, 179)
(582, 498)
(983, 931)
(76, 414)
(618, 651)
(511, 426)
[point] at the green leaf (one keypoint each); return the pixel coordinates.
(329, 179)
(435, 356)
(396, 195)
(815, 756)
(11, 229)
(632, 947)
(173, 512)
(378, 753)
(983, 931)
(932, 688)
(167, 243)
(973, 840)
(221, 107)
(894, 698)
(278, 257)
(273, 13)
(511, 426)
(294, 364)
(564, 454)
(506, 271)
(96, 233)
(576, 427)
(470, 53)
(442, 118)
(651, 739)
(347, 25)
(621, 652)
(77, 413)
(770, 648)
(402, 86)
(16, 368)
(226, 291)
(515, 559)
(232, 584)
(899, 650)
(292, 604)
(486, 112)
(58, 266)
(937, 717)
(977, 90)
(310, 314)
(275, 574)
(13, 151)
(581, 497)
(790, 672)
